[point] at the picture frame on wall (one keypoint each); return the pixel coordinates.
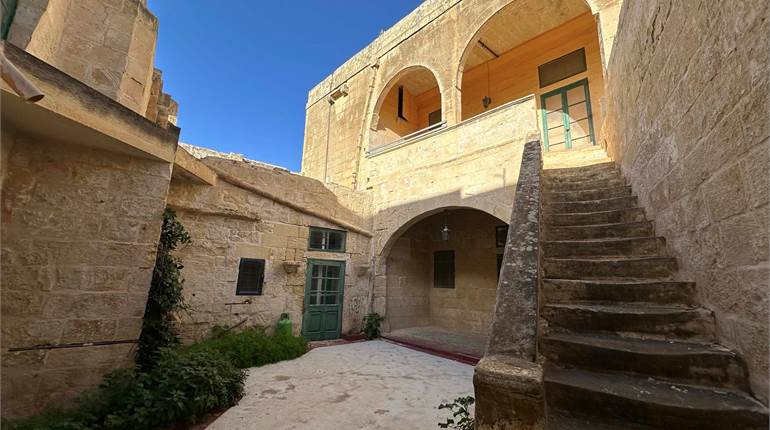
(501, 234)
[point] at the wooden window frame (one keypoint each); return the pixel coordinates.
(542, 74)
(400, 106)
(436, 269)
(240, 289)
(325, 240)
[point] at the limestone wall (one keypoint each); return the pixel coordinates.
(108, 45)
(687, 120)
(227, 223)
(79, 236)
(436, 36)
(473, 164)
(412, 300)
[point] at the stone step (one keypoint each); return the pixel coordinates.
(611, 267)
(557, 196)
(592, 218)
(552, 184)
(658, 321)
(686, 362)
(599, 231)
(557, 419)
(649, 291)
(659, 404)
(614, 247)
(592, 205)
(589, 170)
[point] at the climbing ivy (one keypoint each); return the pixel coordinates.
(165, 297)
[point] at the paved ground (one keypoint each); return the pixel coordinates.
(364, 385)
(441, 339)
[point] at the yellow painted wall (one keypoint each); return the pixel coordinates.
(514, 74)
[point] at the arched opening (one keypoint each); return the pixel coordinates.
(409, 105)
(549, 49)
(441, 279)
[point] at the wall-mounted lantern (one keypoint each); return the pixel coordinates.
(445, 230)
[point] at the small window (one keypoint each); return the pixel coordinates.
(562, 67)
(251, 277)
(501, 235)
(324, 239)
(499, 265)
(401, 103)
(434, 117)
(444, 269)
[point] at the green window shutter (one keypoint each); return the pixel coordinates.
(9, 11)
(325, 239)
(251, 277)
(444, 269)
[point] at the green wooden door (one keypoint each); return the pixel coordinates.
(567, 118)
(324, 282)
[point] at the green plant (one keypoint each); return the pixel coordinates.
(372, 325)
(461, 415)
(251, 347)
(182, 387)
(165, 296)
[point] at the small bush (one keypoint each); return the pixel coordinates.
(372, 325)
(183, 385)
(252, 347)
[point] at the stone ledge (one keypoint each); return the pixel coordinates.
(509, 393)
(75, 113)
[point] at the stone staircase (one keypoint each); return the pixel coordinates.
(624, 345)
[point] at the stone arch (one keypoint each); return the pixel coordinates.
(403, 272)
(393, 236)
(407, 75)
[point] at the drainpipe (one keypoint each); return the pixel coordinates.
(328, 132)
(362, 135)
(16, 79)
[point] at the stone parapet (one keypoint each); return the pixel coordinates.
(509, 394)
(508, 381)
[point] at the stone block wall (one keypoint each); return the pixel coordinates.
(473, 165)
(687, 120)
(79, 235)
(108, 45)
(227, 223)
(412, 300)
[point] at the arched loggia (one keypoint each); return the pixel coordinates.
(408, 104)
(441, 273)
(540, 48)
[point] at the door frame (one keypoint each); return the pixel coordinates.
(565, 116)
(308, 278)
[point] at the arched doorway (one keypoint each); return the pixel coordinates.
(547, 49)
(408, 105)
(441, 279)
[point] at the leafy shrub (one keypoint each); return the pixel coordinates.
(251, 347)
(165, 295)
(461, 415)
(372, 325)
(182, 387)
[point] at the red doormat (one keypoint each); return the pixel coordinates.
(434, 350)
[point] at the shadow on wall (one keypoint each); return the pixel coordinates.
(407, 238)
(687, 122)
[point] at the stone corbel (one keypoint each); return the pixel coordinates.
(291, 266)
(362, 270)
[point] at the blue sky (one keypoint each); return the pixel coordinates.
(241, 69)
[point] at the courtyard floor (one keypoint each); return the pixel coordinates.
(363, 385)
(439, 339)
